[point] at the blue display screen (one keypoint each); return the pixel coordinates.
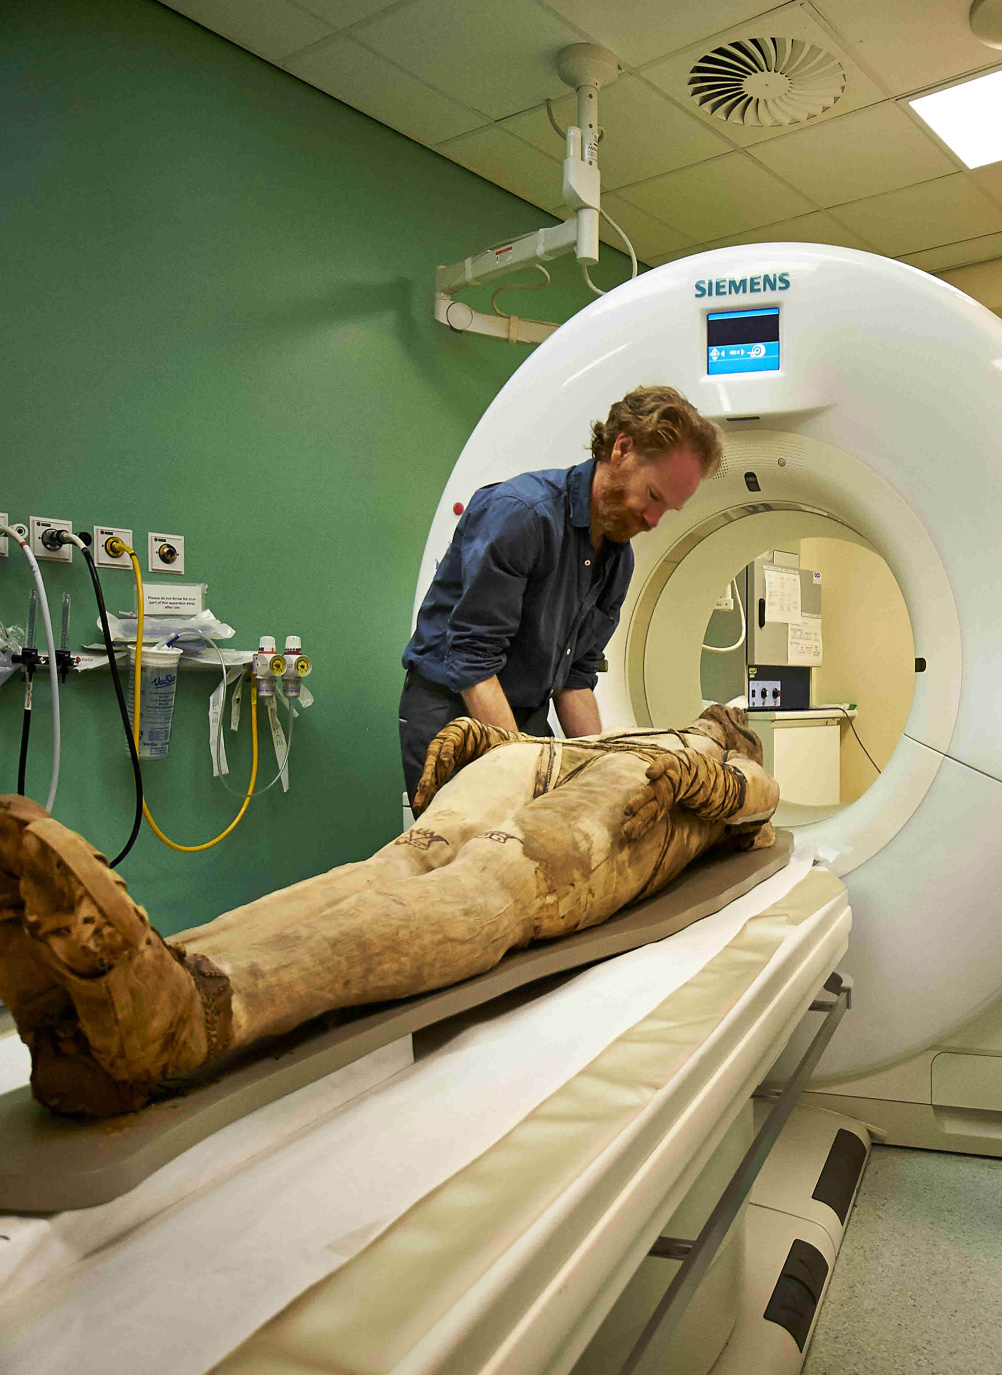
(742, 341)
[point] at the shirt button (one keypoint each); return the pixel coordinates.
(568, 651)
(587, 563)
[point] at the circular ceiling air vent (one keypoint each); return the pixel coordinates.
(766, 82)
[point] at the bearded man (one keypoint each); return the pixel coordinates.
(529, 592)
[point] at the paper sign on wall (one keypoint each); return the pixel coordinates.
(804, 640)
(782, 594)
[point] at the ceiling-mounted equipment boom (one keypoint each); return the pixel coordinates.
(587, 67)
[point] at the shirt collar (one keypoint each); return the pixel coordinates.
(579, 487)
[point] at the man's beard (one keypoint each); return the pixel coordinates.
(617, 523)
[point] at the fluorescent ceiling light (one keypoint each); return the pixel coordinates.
(968, 118)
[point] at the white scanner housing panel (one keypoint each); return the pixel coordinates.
(885, 413)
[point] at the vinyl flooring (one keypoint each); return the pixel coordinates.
(917, 1288)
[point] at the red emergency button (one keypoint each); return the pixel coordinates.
(458, 508)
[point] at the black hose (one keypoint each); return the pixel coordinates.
(854, 731)
(116, 679)
(22, 763)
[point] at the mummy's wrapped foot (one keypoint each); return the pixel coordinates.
(26, 985)
(453, 747)
(107, 1008)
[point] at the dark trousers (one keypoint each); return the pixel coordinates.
(425, 708)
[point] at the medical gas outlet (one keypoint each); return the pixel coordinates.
(297, 667)
(44, 542)
(110, 547)
(166, 553)
(269, 666)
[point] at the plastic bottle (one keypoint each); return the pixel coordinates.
(157, 685)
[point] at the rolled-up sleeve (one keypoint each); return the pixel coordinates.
(500, 551)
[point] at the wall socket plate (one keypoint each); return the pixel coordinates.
(101, 556)
(3, 538)
(166, 553)
(39, 524)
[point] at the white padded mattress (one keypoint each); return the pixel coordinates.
(169, 1281)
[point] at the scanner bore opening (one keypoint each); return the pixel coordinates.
(867, 647)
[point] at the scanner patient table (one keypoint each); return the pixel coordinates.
(480, 1210)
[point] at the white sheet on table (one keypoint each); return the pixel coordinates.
(187, 1284)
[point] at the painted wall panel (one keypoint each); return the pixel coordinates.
(217, 322)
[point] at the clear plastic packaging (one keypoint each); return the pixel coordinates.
(157, 685)
(161, 627)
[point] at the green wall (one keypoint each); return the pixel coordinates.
(217, 319)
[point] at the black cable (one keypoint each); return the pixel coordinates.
(853, 728)
(22, 763)
(116, 679)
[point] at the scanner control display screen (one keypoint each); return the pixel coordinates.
(742, 341)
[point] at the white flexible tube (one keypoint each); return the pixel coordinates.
(633, 257)
(53, 665)
(630, 249)
(727, 649)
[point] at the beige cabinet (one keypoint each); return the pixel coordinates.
(802, 751)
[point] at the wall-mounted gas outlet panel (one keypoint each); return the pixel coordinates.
(104, 533)
(3, 538)
(166, 553)
(39, 525)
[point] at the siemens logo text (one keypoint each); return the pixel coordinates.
(737, 286)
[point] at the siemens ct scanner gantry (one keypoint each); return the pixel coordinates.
(876, 418)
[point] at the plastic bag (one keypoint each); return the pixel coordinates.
(157, 628)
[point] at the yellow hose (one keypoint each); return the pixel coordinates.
(185, 849)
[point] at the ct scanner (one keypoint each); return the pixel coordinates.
(515, 1201)
(883, 416)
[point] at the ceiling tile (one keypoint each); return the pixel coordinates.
(935, 212)
(270, 28)
(340, 13)
(724, 196)
(979, 250)
(989, 179)
(366, 81)
(645, 134)
(659, 259)
(788, 21)
(908, 44)
(816, 228)
(495, 58)
(504, 160)
(641, 30)
(858, 155)
(648, 235)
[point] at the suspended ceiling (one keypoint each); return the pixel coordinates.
(470, 79)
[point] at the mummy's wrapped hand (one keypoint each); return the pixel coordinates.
(453, 747)
(687, 778)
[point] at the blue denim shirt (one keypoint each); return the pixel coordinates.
(521, 592)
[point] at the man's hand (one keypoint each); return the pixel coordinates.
(577, 712)
(486, 702)
(455, 745)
